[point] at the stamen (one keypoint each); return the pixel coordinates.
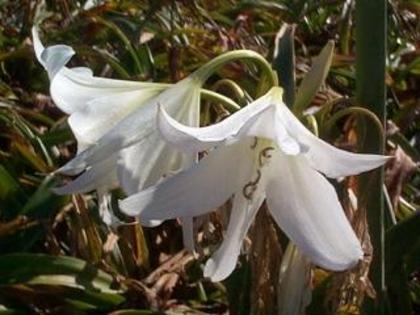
(254, 144)
(251, 187)
(264, 154)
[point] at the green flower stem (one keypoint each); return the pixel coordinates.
(313, 124)
(224, 100)
(204, 72)
(358, 111)
(230, 85)
(209, 95)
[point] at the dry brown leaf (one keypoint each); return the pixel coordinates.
(399, 170)
(265, 262)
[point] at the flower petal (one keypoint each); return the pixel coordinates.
(294, 288)
(72, 89)
(101, 114)
(256, 119)
(105, 209)
(197, 190)
(146, 162)
(52, 58)
(143, 165)
(305, 205)
(139, 124)
(221, 264)
(100, 175)
(324, 157)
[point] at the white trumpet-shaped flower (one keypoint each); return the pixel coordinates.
(117, 118)
(94, 104)
(269, 155)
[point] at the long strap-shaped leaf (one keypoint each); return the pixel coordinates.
(55, 270)
(370, 93)
(284, 62)
(314, 78)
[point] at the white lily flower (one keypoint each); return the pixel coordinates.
(270, 156)
(96, 106)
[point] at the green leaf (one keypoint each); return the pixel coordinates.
(9, 311)
(56, 136)
(43, 202)
(76, 282)
(414, 66)
(284, 61)
(11, 194)
(238, 288)
(405, 232)
(314, 78)
(9, 185)
(54, 270)
(88, 300)
(371, 47)
(402, 260)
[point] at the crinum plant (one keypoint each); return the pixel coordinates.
(114, 124)
(260, 153)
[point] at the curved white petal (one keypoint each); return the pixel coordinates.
(306, 207)
(294, 287)
(38, 47)
(197, 190)
(198, 139)
(72, 89)
(139, 124)
(101, 114)
(324, 157)
(143, 164)
(100, 175)
(147, 162)
(53, 58)
(256, 119)
(105, 209)
(221, 264)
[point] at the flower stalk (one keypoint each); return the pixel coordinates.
(217, 97)
(208, 69)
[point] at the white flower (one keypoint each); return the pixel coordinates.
(118, 117)
(269, 156)
(94, 104)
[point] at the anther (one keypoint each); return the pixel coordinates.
(251, 187)
(265, 154)
(254, 144)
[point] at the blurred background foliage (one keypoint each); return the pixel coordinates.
(56, 255)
